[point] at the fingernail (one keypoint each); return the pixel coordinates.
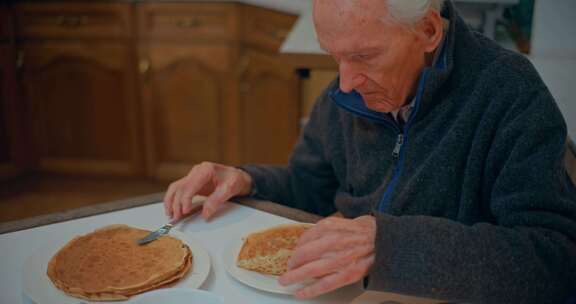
(206, 213)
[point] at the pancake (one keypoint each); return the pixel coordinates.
(268, 251)
(108, 264)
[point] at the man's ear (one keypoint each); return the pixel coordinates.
(431, 30)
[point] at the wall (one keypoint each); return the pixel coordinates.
(554, 53)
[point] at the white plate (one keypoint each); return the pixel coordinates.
(251, 278)
(177, 296)
(38, 287)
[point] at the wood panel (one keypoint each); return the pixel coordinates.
(270, 109)
(196, 21)
(6, 28)
(73, 20)
(13, 135)
(184, 88)
(5, 105)
(83, 107)
(264, 28)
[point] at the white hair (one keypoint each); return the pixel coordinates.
(411, 11)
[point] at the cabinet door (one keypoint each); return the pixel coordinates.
(81, 96)
(11, 136)
(184, 92)
(270, 109)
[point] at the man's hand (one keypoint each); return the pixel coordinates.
(218, 182)
(335, 251)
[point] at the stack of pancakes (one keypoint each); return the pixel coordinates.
(108, 264)
(268, 251)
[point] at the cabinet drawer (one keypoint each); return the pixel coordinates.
(188, 21)
(73, 20)
(266, 28)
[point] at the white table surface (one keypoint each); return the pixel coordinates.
(232, 221)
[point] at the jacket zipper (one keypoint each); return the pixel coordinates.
(398, 152)
(399, 143)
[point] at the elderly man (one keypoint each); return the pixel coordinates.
(443, 151)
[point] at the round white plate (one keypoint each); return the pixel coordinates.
(38, 287)
(251, 278)
(177, 296)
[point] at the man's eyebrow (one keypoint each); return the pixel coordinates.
(356, 51)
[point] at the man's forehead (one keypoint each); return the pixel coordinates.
(350, 8)
(350, 46)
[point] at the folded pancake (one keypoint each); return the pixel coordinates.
(108, 264)
(268, 251)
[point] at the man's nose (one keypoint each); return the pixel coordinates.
(349, 78)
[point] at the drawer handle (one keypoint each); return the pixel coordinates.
(188, 23)
(71, 21)
(144, 66)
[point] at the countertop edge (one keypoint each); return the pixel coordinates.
(57, 217)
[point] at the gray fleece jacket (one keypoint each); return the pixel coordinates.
(471, 197)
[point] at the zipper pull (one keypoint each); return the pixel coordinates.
(399, 143)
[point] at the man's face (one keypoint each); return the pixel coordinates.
(381, 60)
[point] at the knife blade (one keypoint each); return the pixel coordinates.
(154, 235)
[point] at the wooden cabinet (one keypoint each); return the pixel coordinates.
(269, 89)
(186, 71)
(74, 20)
(153, 88)
(184, 91)
(9, 165)
(12, 132)
(78, 80)
(269, 109)
(83, 112)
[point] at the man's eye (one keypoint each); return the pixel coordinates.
(363, 56)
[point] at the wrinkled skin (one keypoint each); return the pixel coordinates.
(336, 251)
(379, 58)
(218, 182)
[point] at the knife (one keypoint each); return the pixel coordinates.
(154, 235)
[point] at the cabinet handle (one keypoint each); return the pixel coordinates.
(243, 66)
(144, 66)
(20, 60)
(188, 23)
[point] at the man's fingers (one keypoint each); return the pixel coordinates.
(315, 249)
(176, 205)
(326, 284)
(350, 274)
(311, 270)
(169, 198)
(330, 262)
(331, 224)
(221, 194)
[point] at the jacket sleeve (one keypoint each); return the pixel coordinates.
(308, 182)
(526, 255)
